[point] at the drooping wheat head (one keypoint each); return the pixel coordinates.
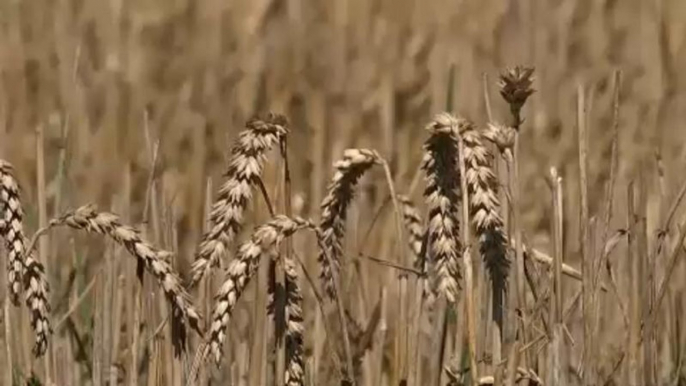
(13, 231)
(36, 290)
(485, 210)
(295, 369)
(349, 169)
(442, 194)
(245, 168)
(154, 260)
(23, 269)
(264, 241)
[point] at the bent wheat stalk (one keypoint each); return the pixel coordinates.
(154, 260)
(264, 241)
(245, 168)
(349, 170)
(443, 196)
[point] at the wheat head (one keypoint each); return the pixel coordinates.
(442, 194)
(349, 169)
(13, 230)
(485, 209)
(23, 269)
(295, 369)
(36, 290)
(264, 241)
(245, 168)
(154, 260)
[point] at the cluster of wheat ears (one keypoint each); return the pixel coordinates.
(461, 196)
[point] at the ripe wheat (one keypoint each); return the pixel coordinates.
(87, 218)
(484, 207)
(443, 196)
(13, 231)
(264, 241)
(22, 266)
(349, 169)
(245, 168)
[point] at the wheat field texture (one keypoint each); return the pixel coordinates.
(362, 192)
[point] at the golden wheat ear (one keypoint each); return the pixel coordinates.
(13, 230)
(442, 195)
(23, 269)
(245, 168)
(154, 260)
(484, 208)
(264, 241)
(334, 207)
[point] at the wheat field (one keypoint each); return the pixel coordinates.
(367, 192)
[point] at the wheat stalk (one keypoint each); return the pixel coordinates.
(13, 231)
(245, 168)
(484, 207)
(349, 169)
(443, 196)
(155, 260)
(264, 241)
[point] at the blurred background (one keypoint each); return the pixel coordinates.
(107, 89)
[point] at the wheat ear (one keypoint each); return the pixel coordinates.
(413, 225)
(349, 169)
(484, 207)
(245, 168)
(36, 290)
(295, 370)
(154, 260)
(442, 194)
(264, 241)
(13, 231)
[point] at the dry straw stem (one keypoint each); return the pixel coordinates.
(349, 170)
(13, 231)
(264, 241)
(155, 260)
(245, 168)
(443, 197)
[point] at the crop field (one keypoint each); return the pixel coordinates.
(362, 192)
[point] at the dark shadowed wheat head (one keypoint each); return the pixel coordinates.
(154, 260)
(21, 269)
(264, 241)
(245, 168)
(484, 207)
(295, 370)
(36, 290)
(442, 194)
(13, 231)
(349, 169)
